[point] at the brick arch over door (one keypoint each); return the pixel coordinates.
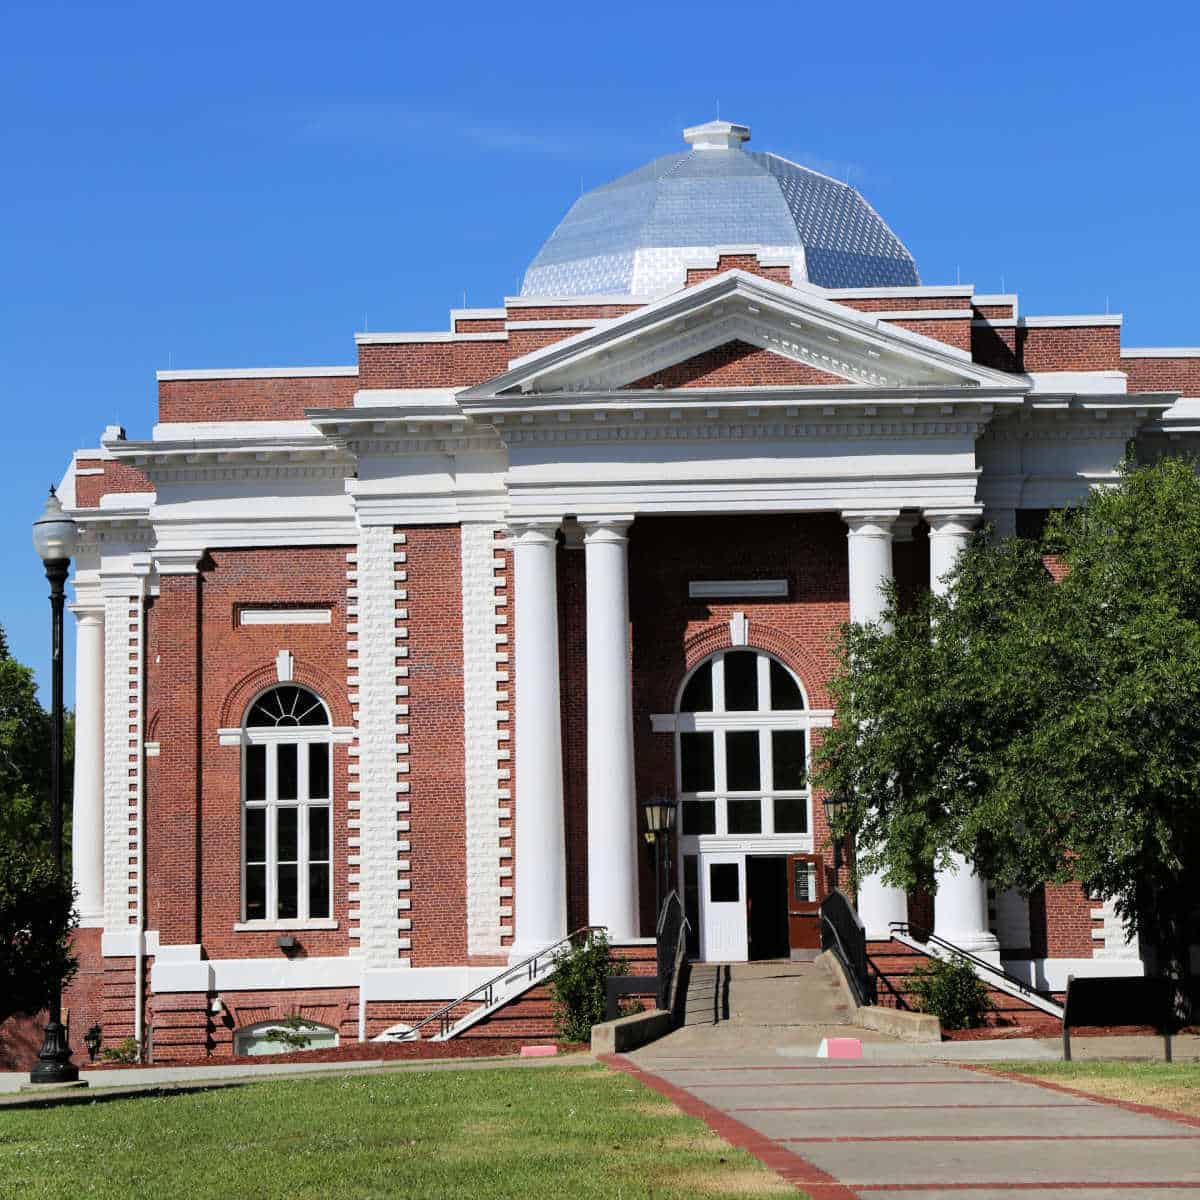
(233, 707)
(760, 636)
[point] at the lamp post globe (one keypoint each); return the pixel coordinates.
(55, 536)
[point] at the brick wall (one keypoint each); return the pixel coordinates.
(278, 399)
(1163, 375)
(193, 787)
(1070, 348)
(118, 477)
(430, 364)
(953, 331)
(739, 262)
(903, 303)
(1061, 922)
(435, 736)
(736, 364)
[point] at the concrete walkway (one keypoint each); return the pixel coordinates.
(925, 1131)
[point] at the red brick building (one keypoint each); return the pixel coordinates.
(377, 661)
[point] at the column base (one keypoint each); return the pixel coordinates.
(982, 944)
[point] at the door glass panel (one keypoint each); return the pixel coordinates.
(744, 816)
(785, 695)
(696, 762)
(741, 761)
(741, 681)
(791, 814)
(787, 754)
(699, 816)
(697, 695)
(723, 883)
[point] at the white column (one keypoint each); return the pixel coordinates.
(960, 907)
(541, 872)
(87, 819)
(870, 545)
(612, 804)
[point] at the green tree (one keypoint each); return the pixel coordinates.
(36, 908)
(1048, 731)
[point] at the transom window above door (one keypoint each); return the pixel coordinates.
(742, 748)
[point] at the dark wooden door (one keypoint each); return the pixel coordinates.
(806, 890)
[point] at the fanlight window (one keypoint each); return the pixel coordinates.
(287, 793)
(742, 748)
(283, 706)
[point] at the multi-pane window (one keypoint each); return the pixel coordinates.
(741, 748)
(286, 808)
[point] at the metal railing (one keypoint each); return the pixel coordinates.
(671, 949)
(843, 933)
(928, 938)
(485, 993)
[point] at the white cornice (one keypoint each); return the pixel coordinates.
(475, 314)
(257, 373)
(897, 293)
(575, 301)
(402, 339)
(1160, 351)
(1072, 321)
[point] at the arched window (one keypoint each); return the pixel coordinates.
(287, 791)
(278, 1037)
(741, 749)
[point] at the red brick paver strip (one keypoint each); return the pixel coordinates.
(769, 1152)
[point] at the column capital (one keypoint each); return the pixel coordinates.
(88, 614)
(533, 531)
(952, 522)
(876, 522)
(606, 528)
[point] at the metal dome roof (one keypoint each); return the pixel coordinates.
(638, 235)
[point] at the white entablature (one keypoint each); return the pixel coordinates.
(797, 323)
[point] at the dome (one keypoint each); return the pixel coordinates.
(638, 235)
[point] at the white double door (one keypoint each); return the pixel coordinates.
(723, 936)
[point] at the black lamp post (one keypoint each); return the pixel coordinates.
(835, 813)
(54, 538)
(660, 819)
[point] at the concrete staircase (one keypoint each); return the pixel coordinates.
(739, 1007)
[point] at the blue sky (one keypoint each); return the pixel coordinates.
(247, 185)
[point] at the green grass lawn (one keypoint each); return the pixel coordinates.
(1168, 1085)
(567, 1132)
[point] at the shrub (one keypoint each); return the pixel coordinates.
(951, 990)
(578, 987)
(122, 1052)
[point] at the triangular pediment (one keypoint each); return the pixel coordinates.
(732, 332)
(737, 364)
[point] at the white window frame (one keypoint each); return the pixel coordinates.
(302, 736)
(764, 721)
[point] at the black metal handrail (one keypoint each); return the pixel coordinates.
(843, 933)
(486, 992)
(929, 938)
(671, 948)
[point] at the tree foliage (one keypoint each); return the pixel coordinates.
(1046, 730)
(36, 908)
(36, 920)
